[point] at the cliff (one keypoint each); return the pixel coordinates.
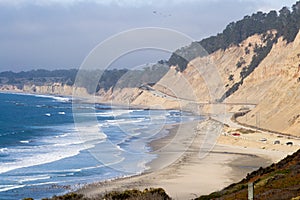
(273, 85)
(52, 88)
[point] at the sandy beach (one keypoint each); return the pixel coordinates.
(184, 175)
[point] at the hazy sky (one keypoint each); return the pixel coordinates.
(55, 34)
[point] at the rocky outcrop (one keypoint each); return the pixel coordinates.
(10, 88)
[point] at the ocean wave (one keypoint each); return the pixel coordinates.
(25, 141)
(56, 148)
(33, 178)
(110, 113)
(63, 135)
(124, 121)
(114, 113)
(69, 144)
(38, 159)
(57, 98)
(64, 175)
(44, 156)
(4, 188)
(45, 183)
(62, 99)
(72, 171)
(3, 150)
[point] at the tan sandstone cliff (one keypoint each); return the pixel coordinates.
(53, 89)
(274, 85)
(205, 79)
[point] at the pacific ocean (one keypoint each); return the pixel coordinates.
(42, 152)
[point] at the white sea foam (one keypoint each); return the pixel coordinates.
(45, 183)
(118, 147)
(24, 141)
(38, 159)
(125, 121)
(56, 149)
(113, 113)
(64, 175)
(4, 188)
(84, 168)
(3, 150)
(63, 135)
(57, 98)
(69, 144)
(61, 99)
(33, 178)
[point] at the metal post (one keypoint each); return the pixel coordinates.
(250, 191)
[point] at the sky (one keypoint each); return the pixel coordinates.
(59, 34)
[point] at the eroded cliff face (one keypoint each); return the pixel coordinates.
(275, 87)
(205, 79)
(10, 88)
(123, 96)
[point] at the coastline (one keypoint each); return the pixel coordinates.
(189, 176)
(183, 174)
(83, 99)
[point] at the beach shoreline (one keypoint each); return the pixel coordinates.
(183, 174)
(186, 176)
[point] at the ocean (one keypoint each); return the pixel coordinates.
(43, 152)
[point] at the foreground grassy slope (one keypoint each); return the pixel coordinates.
(278, 181)
(147, 194)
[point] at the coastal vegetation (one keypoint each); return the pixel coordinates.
(109, 78)
(286, 23)
(277, 181)
(147, 194)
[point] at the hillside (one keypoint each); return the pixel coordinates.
(66, 82)
(273, 86)
(261, 67)
(286, 23)
(279, 181)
